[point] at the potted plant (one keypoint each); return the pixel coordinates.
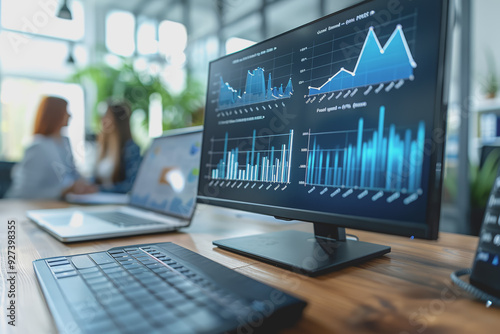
(490, 83)
(481, 181)
(125, 82)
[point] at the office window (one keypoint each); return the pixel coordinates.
(120, 33)
(172, 38)
(29, 56)
(235, 44)
(147, 42)
(39, 17)
(201, 52)
(20, 98)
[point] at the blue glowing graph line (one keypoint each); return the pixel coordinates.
(368, 158)
(272, 165)
(255, 91)
(375, 64)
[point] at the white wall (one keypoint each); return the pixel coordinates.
(485, 38)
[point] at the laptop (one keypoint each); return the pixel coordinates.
(97, 198)
(162, 199)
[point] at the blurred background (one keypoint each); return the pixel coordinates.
(155, 53)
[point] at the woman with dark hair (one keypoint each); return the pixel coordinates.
(47, 170)
(119, 157)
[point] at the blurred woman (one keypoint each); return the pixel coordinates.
(47, 170)
(119, 156)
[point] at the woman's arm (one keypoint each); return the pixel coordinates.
(39, 175)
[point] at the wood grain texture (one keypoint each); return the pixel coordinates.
(405, 291)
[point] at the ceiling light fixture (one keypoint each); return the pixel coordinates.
(64, 12)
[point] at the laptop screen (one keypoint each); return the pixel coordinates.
(168, 177)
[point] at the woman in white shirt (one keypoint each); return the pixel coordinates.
(119, 156)
(47, 170)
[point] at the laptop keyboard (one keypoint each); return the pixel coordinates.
(124, 220)
(146, 290)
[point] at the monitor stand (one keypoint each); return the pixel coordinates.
(306, 253)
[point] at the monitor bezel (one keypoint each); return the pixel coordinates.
(430, 229)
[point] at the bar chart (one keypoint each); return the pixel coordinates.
(259, 158)
(388, 159)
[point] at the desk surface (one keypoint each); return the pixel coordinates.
(405, 291)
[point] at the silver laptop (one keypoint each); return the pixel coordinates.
(162, 199)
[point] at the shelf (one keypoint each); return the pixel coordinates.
(489, 106)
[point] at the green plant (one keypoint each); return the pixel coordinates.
(482, 180)
(135, 86)
(490, 83)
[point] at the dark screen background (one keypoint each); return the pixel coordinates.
(309, 56)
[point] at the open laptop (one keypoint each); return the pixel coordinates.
(162, 199)
(98, 198)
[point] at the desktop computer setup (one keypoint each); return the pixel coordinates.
(330, 123)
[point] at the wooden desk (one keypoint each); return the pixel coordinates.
(406, 291)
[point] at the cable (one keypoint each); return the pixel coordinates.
(481, 295)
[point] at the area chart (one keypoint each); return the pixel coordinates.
(255, 91)
(375, 65)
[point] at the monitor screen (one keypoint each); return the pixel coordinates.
(168, 177)
(339, 121)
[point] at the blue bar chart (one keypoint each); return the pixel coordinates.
(256, 158)
(375, 64)
(386, 159)
(255, 91)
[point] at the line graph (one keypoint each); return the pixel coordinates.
(255, 91)
(375, 64)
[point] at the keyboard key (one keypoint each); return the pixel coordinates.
(161, 319)
(187, 307)
(112, 270)
(102, 286)
(153, 308)
(56, 259)
(101, 327)
(58, 269)
(128, 319)
(76, 291)
(201, 319)
(82, 262)
(111, 299)
(101, 258)
(88, 275)
(178, 327)
(66, 274)
(97, 280)
(89, 270)
(136, 294)
(138, 327)
(122, 310)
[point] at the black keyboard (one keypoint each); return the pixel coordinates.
(122, 219)
(159, 288)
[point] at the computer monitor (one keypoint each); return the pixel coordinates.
(340, 122)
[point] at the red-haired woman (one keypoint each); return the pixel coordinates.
(47, 170)
(119, 156)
